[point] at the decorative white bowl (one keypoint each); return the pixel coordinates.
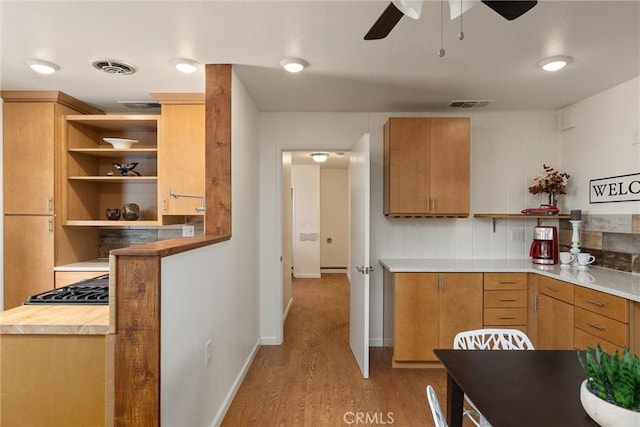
(120, 142)
(604, 413)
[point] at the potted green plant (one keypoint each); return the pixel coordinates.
(611, 392)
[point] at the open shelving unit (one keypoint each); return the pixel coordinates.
(496, 217)
(92, 183)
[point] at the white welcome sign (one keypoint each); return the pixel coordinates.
(623, 188)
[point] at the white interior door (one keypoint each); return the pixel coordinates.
(359, 266)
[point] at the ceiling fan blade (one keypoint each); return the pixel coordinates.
(510, 10)
(385, 23)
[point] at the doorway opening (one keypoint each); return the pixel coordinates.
(315, 217)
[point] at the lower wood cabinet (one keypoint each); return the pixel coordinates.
(430, 309)
(601, 319)
(555, 314)
(505, 301)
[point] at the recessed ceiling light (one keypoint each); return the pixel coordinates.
(184, 65)
(43, 67)
(294, 65)
(320, 157)
(554, 63)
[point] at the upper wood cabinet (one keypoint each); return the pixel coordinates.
(32, 123)
(93, 183)
(427, 166)
(34, 238)
(181, 166)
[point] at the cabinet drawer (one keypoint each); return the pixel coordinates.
(505, 316)
(505, 298)
(499, 281)
(602, 327)
(601, 303)
(557, 289)
(584, 340)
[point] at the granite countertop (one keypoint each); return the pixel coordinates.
(99, 264)
(614, 282)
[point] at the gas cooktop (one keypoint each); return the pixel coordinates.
(88, 292)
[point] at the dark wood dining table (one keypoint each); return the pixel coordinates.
(523, 388)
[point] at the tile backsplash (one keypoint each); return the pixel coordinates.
(613, 239)
(115, 237)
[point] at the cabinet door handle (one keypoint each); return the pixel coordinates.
(552, 288)
(164, 205)
(50, 225)
(598, 303)
(506, 299)
(444, 283)
(506, 282)
(506, 317)
(50, 204)
(596, 325)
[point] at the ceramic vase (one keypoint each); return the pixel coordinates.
(604, 413)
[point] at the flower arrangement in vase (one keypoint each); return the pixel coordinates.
(551, 182)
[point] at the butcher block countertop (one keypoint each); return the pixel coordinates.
(619, 283)
(56, 320)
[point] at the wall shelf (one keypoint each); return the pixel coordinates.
(496, 217)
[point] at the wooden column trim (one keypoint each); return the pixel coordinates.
(136, 386)
(218, 150)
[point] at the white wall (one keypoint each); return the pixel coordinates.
(213, 293)
(305, 180)
(600, 145)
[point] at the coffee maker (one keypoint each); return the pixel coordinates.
(544, 248)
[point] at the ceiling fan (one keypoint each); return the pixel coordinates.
(509, 10)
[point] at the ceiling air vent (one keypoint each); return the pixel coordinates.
(114, 66)
(140, 105)
(469, 103)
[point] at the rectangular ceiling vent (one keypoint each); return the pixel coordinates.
(469, 103)
(140, 105)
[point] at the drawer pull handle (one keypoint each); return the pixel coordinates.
(503, 317)
(506, 282)
(553, 288)
(598, 303)
(506, 299)
(596, 325)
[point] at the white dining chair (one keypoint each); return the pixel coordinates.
(489, 339)
(436, 412)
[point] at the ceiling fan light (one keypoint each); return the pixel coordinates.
(43, 67)
(411, 8)
(293, 65)
(184, 65)
(458, 7)
(554, 63)
(320, 157)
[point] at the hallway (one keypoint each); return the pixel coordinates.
(313, 379)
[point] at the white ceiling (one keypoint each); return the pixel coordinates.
(496, 60)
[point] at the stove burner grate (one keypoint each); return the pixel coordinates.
(88, 292)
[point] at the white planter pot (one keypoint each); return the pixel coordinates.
(607, 414)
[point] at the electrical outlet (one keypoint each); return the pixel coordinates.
(188, 231)
(635, 137)
(207, 352)
(517, 236)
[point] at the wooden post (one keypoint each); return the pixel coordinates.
(218, 150)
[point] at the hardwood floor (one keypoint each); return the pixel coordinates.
(313, 379)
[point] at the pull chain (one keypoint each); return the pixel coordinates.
(461, 35)
(441, 52)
